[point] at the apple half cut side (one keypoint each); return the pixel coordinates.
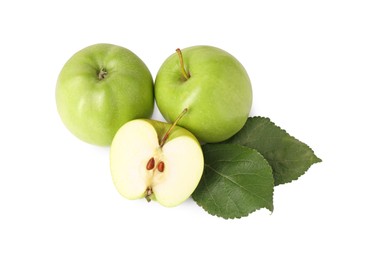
(149, 161)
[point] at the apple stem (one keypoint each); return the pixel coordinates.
(183, 71)
(165, 137)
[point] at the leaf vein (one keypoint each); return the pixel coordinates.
(237, 184)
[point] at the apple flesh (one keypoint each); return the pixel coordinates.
(212, 84)
(100, 88)
(149, 161)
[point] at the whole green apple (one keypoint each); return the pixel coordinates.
(157, 161)
(100, 88)
(212, 84)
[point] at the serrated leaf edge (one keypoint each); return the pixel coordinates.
(317, 159)
(250, 212)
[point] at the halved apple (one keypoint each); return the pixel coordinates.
(156, 160)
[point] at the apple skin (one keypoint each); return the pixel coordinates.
(94, 109)
(218, 93)
(139, 140)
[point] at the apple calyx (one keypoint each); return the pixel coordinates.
(102, 74)
(148, 192)
(183, 71)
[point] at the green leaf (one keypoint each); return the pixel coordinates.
(288, 157)
(236, 181)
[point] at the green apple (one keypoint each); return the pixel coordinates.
(100, 88)
(212, 84)
(155, 160)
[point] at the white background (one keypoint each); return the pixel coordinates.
(311, 67)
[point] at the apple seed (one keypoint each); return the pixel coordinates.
(150, 164)
(160, 166)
